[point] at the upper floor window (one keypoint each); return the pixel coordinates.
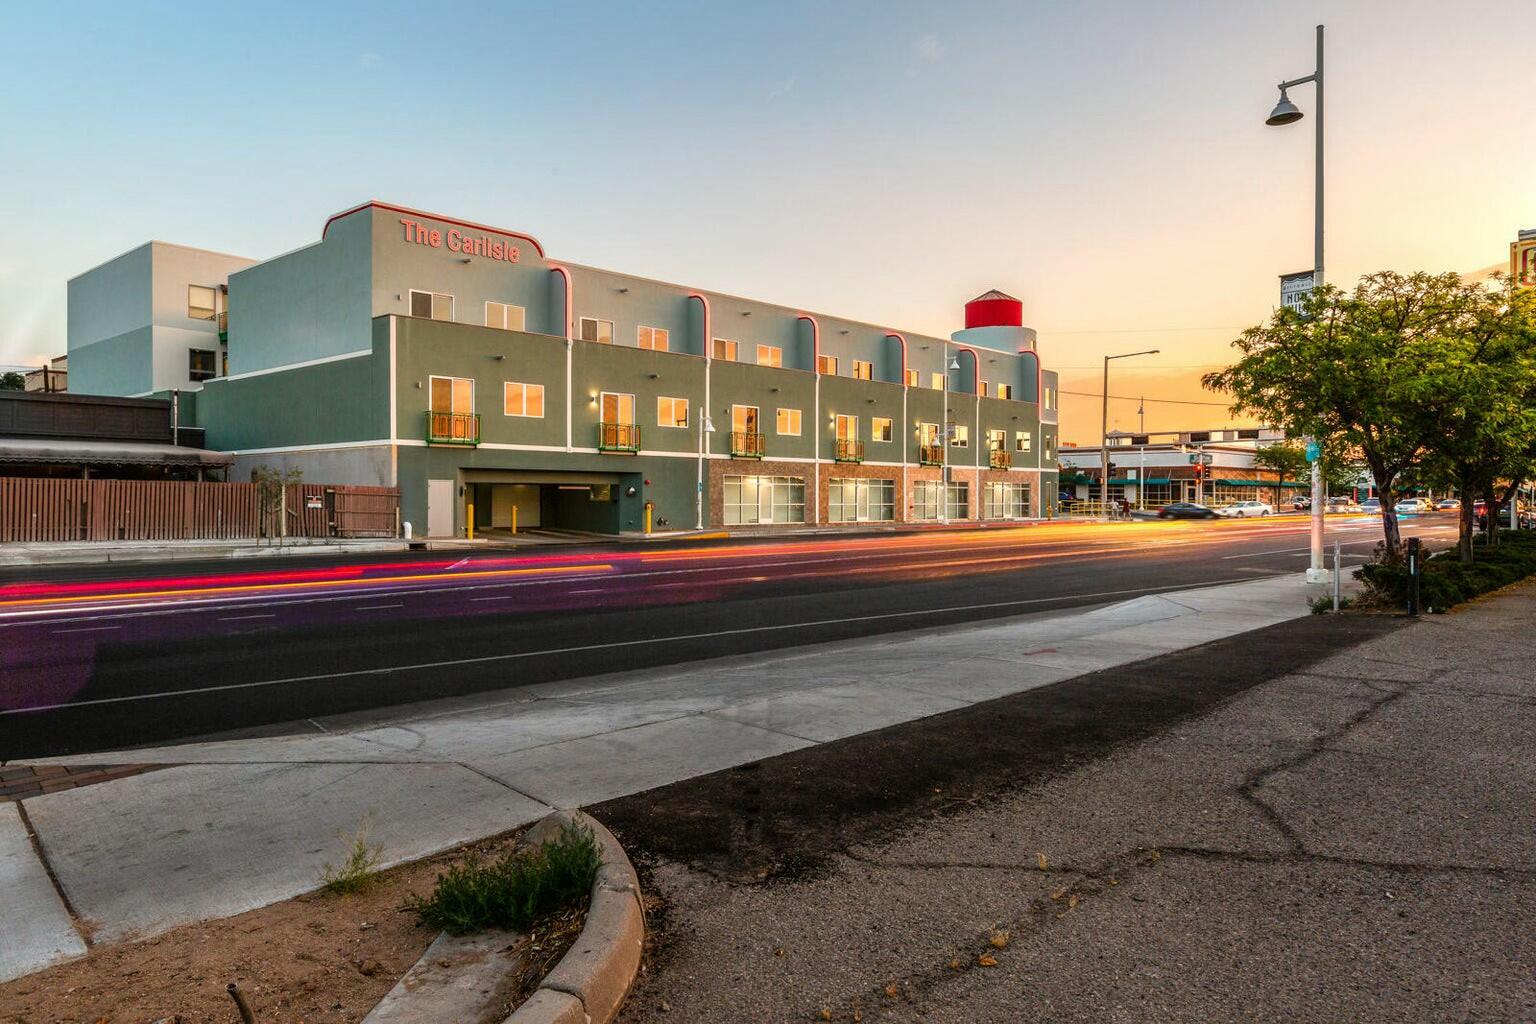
(789, 422)
(770, 355)
(1005, 391)
(503, 316)
(1048, 446)
(202, 363)
(981, 389)
(997, 440)
(928, 434)
(1200, 435)
(725, 349)
(600, 331)
(453, 394)
(202, 302)
(1248, 435)
(431, 305)
(826, 364)
(1021, 441)
(847, 428)
(914, 379)
(617, 408)
(961, 437)
(863, 369)
(518, 399)
(1048, 398)
(654, 338)
(671, 412)
(880, 428)
(937, 381)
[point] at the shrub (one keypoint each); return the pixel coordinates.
(1446, 582)
(356, 872)
(516, 889)
(1323, 605)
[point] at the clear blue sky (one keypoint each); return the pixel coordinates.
(1106, 162)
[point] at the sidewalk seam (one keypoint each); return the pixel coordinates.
(504, 783)
(75, 920)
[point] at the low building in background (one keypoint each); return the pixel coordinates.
(45, 434)
(53, 376)
(1212, 467)
(493, 385)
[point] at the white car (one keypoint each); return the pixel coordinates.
(1244, 509)
(1411, 506)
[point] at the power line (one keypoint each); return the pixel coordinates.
(1132, 330)
(1135, 398)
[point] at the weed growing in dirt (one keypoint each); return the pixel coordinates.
(514, 890)
(1323, 605)
(356, 872)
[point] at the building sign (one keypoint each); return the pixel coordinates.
(1294, 289)
(1522, 259)
(459, 241)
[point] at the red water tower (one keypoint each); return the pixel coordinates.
(994, 309)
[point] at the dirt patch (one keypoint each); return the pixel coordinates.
(319, 959)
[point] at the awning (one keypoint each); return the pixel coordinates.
(1242, 483)
(116, 453)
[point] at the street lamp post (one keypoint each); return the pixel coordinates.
(706, 427)
(1286, 112)
(1104, 433)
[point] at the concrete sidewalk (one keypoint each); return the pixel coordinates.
(245, 822)
(91, 552)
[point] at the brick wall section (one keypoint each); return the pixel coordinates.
(719, 469)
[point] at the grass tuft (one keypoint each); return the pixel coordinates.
(1323, 605)
(516, 889)
(356, 872)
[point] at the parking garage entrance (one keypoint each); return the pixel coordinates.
(547, 501)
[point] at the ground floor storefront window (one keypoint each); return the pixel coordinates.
(1002, 500)
(856, 500)
(957, 500)
(1226, 495)
(1156, 495)
(764, 499)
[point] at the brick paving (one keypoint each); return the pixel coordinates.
(23, 781)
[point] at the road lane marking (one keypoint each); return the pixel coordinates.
(582, 648)
(375, 607)
(242, 618)
(85, 629)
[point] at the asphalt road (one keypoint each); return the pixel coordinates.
(115, 656)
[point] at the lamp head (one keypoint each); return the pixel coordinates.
(1285, 112)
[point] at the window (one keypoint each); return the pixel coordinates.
(654, 338)
(519, 399)
(957, 502)
(1005, 391)
(1200, 435)
(962, 435)
(856, 500)
(744, 419)
(503, 316)
(789, 422)
(202, 303)
(928, 433)
(1047, 446)
(936, 381)
(453, 395)
(981, 388)
(1049, 399)
(931, 500)
(1247, 435)
(847, 428)
(914, 379)
(202, 363)
(618, 408)
(770, 355)
(431, 305)
(997, 440)
(827, 365)
(599, 331)
(1005, 501)
(725, 349)
(671, 412)
(1021, 441)
(863, 370)
(764, 499)
(880, 428)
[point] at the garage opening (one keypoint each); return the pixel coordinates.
(545, 502)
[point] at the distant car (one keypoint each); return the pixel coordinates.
(1244, 509)
(1371, 506)
(1411, 506)
(1301, 504)
(1343, 504)
(1447, 504)
(1185, 510)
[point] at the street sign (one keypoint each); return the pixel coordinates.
(1201, 458)
(1313, 451)
(1294, 289)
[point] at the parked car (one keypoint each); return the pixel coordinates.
(1301, 504)
(1447, 504)
(1244, 509)
(1371, 506)
(1343, 504)
(1411, 506)
(1185, 510)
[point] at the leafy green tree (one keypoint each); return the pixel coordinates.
(1349, 369)
(12, 381)
(1286, 459)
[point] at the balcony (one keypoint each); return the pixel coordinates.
(1002, 458)
(623, 438)
(746, 445)
(453, 428)
(849, 451)
(223, 322)
(930, 455)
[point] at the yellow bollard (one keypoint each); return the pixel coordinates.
(469, 520)
(514, 518)
(649, 508)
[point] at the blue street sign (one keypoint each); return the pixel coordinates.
(1313, 451)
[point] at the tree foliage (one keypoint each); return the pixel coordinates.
(12, 381)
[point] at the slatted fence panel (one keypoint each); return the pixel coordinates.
(366, 511)
(40, 509)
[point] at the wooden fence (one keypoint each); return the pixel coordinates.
(36, 509)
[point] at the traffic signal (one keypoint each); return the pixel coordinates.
(1199, 471)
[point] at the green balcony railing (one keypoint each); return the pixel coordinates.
(453, 428)
(930, 455)
(849, 451)
(623, 438)
(1002, 458)
(746, 444)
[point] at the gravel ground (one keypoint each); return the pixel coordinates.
(1329, 820)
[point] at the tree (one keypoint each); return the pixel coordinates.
(1348, 370)
(12, 381)
(271, 484)
(1287, 459)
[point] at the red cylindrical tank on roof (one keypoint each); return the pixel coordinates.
(994, 309)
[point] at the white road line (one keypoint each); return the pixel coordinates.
(581, 648)
(85, 629)
(375, 607)
(242, 618)
(461, 562)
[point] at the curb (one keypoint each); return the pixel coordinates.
(590, 982)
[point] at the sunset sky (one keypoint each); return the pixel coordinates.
(1105, 162)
